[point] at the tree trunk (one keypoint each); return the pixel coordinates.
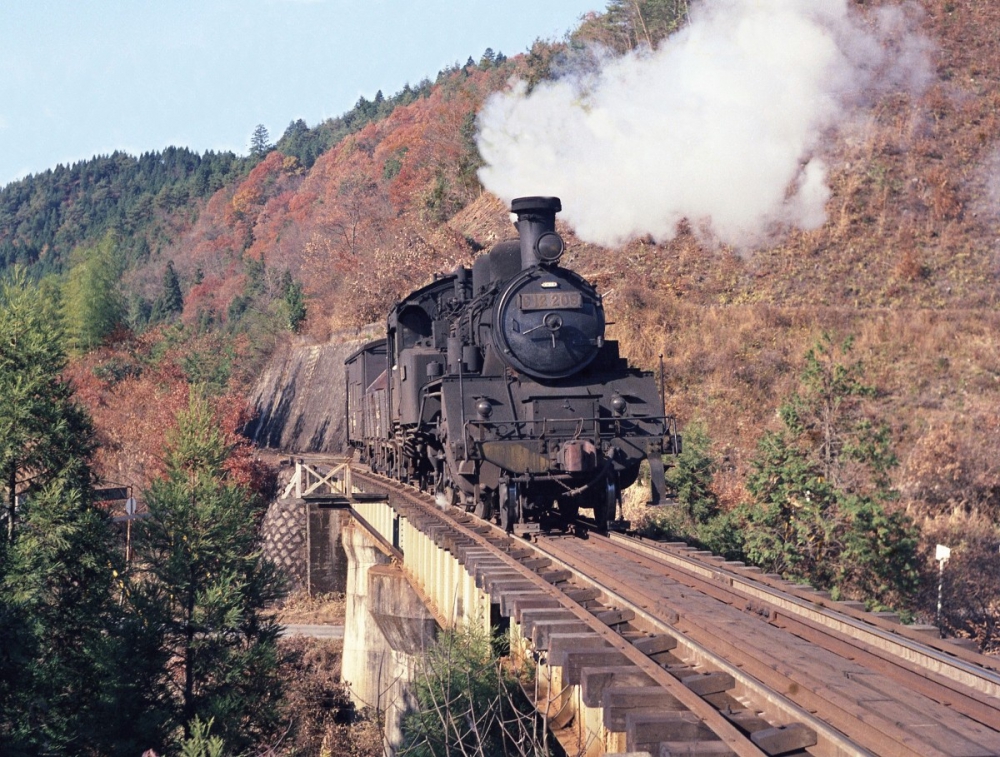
(642, 23)
(11, 503)
(189, 709)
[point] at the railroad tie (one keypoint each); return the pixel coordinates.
(582, 595)
(575, 661)
(698, 749)
(645, 730)
(556, 576)
(483, 570)
(536, 563)
(562, 644)
(747, 721)
(514, 603)
(539, 624)
(531, 617)
(615, 617)
(501, 586)
(619, 702)
(595, 681)
(704, 684)
(784, 739)
(656, 644)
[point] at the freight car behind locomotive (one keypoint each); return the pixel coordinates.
(496, 387)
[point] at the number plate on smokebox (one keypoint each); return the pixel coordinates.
(551, 301)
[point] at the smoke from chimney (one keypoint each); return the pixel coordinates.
(722, 125)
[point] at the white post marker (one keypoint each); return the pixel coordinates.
(129, 512)
(941, 554)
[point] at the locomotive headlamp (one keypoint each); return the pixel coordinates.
(484, 409)
(618, 404)
(549, 247)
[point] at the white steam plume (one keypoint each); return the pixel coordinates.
(720, 125)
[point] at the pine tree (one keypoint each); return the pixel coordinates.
(170, 301)
(692, 475)
(43, 433)
(293, 300)
(93, 303)
(260, 144)
(79, 671)
(821, 492)
(207, 585)
(68, 684)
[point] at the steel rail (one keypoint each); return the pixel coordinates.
(713, 719)
(921, 656)
(796, 609)
(765, 698)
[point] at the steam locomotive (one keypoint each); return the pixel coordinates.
(496, 388)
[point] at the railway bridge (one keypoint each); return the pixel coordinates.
(641, 647)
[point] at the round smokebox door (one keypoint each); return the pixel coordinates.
(549, 323)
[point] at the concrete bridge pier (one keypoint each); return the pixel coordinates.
(386, 630)
(326, 565)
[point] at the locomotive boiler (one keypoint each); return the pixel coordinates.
(496, 387)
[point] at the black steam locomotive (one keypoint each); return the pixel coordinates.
(496, 387)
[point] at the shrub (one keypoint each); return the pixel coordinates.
(469, 703)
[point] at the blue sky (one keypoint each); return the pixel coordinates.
(80, 78)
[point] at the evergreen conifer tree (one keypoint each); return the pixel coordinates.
(692, 476)
(43, 433)
(170, 301)
(80, 676)
(207, 586)
(93, 303)
(68, 684)
(294, 301)
(821, 491)
(260, 144)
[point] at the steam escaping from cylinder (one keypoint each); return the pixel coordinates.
(723, 125)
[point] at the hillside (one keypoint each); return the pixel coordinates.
(905, 262)
(351, 214)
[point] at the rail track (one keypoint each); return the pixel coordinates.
(680, 647)
(858, 673)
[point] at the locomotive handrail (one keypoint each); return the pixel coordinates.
(477, 431)
(667, 421)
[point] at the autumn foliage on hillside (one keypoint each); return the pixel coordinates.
(135, 391)
(363, 225)
(906, 264)
(358, 229)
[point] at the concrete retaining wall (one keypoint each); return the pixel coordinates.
(300, 399)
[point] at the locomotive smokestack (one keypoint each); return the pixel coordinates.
(536, 224)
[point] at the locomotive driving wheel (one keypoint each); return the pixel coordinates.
(485, 505)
